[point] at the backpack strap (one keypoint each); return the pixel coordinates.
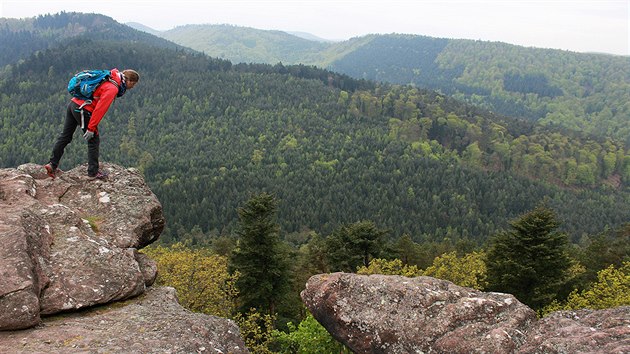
(122, 87)
(81, 110)
(85, 103)
(113, 81)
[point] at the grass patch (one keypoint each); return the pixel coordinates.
(93, 221)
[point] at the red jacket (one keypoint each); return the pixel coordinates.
(103, 97)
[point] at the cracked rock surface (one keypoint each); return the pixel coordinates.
(72, 242)
(71, 277)
(394, 314)
(153, 322)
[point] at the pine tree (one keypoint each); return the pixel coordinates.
(354, 245)
(407, 250)
(258, 257)
(530, 261)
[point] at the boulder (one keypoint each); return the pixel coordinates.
(583, 331)
(72, 242)
(150, 323)
(393, 314)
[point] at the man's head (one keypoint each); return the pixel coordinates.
(131, 78)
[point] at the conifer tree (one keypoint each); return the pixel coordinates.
(407, 250)
(258, 257)
(354, 245)
(530, 261)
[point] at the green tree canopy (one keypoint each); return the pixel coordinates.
(530, 261)
(354, 245)
(200, 277)
(258, 256)
(309, 337)
(611, 289)
(468, 271)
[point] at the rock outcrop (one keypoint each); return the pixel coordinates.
(150, 323)
(583, 331)
(72, 244)
(392, 314)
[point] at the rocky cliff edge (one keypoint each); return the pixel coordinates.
(72, 243)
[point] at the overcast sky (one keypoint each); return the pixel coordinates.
(576, 25)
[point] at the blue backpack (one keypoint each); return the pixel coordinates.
(83, 84)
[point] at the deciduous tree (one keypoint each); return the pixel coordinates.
(468, 271)
(200, 277)
(612, 289)
(393, 267)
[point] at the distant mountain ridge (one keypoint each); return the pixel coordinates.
(206, 133)
(141, 27)
(583, 92)
(24, 37)
(244, 44)
(312, 37)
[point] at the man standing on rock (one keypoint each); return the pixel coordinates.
(87, 114)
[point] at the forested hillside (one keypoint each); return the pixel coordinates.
(272, 173)
(244, 45)
(208, 134)
(581, 92)
(20, 38)
(249, 45)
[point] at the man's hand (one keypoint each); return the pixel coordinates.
(88, 135)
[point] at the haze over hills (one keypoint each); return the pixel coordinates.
(312, 37)
(207, 133)
(582, 92)
(226, 42)
(143, 28)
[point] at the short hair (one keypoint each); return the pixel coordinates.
(131, 75)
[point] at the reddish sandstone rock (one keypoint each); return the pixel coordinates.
(583, 331)
(151, 323)
(393, 314)
(71, 242)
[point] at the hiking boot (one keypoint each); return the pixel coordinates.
(50, 170)
(99, 175)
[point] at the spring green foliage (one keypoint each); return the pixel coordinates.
(200, 277)
(309, 337)
(387, 267)
(256, 330)
(612, 289)
(530, 261)
(586, 92)
(469, 270)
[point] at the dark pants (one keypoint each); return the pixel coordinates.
(75, 119)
